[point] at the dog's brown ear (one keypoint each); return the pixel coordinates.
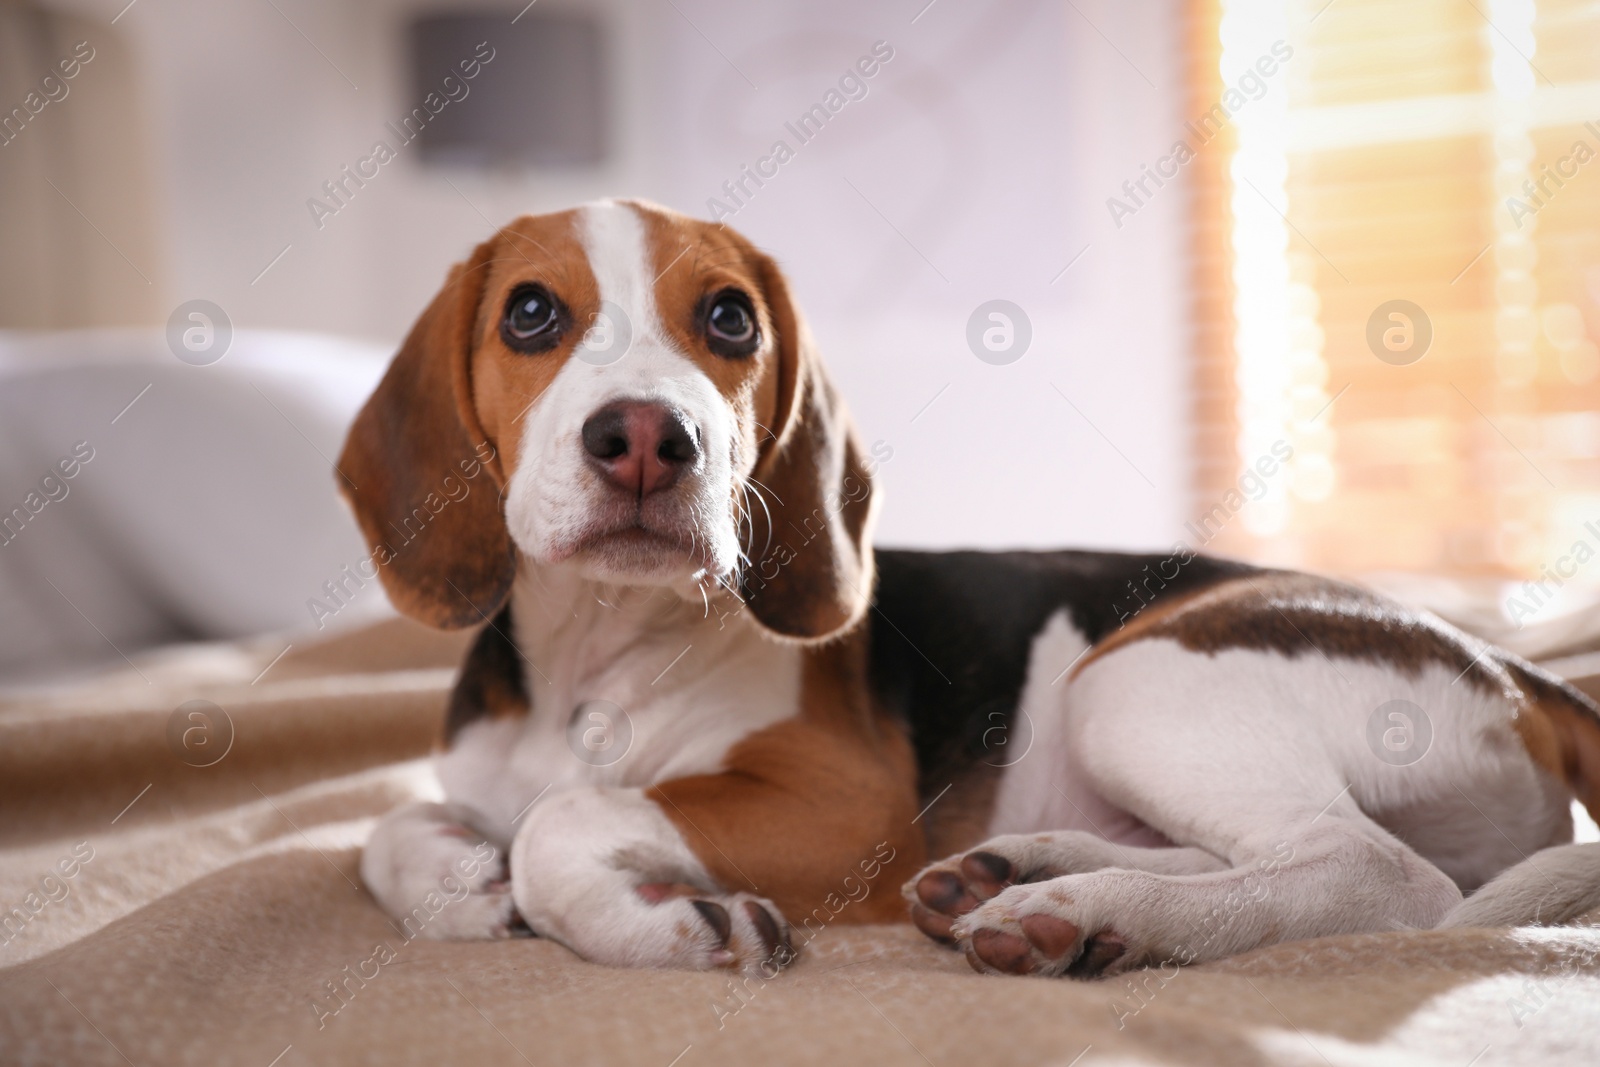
(810, 573)
(421, 475)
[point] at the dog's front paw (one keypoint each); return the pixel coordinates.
(737, 931)
(486, 912)
(437, 878)
(943, 892)
(1041, 929)
(659, 924)
(605, 873)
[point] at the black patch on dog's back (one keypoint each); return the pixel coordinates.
(952, 631)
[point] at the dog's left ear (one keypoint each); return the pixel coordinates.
(810, 573)
(422, 476)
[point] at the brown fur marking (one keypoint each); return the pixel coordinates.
(1145, 624)
(1560, 728)
(1296, 614)
(804, 805)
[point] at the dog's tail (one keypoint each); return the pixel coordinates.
(1560, 726)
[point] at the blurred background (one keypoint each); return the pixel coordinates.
(1314, 283)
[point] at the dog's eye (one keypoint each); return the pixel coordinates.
(731, 324)
(731, 320)
(532, 321)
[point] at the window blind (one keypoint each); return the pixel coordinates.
(1397, 275)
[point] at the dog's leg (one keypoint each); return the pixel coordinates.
(605, 873)
(943, 892)
(1339, 874)
(1247, 756)
(438, 876)
(1553, 886)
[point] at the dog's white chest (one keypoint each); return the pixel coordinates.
(619, 703)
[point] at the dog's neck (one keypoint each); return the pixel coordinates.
(585, 640)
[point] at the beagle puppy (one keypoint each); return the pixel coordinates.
(702, 718)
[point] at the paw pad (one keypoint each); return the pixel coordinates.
(945, 892)
(933, 924)
(987, 873)
(748, 933)
(775, 944)
(1053, 937)
(716, 917)
(1003, 951)
(1099, 952)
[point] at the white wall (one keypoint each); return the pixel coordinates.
(990, 142)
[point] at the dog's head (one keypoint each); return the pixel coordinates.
(621, 390)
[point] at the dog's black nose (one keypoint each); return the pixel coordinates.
(640, 447)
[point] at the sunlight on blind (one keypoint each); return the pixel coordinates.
(1397, 257)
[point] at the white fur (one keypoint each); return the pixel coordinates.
(577, 864)
(1047, 787)
(436, 876)
(518, 777)
(1553, 887)
(1259, 764)
(731, 682)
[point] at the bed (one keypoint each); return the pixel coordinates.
(180, 829)
(213, 914)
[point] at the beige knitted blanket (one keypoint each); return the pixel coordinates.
(183, 889)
